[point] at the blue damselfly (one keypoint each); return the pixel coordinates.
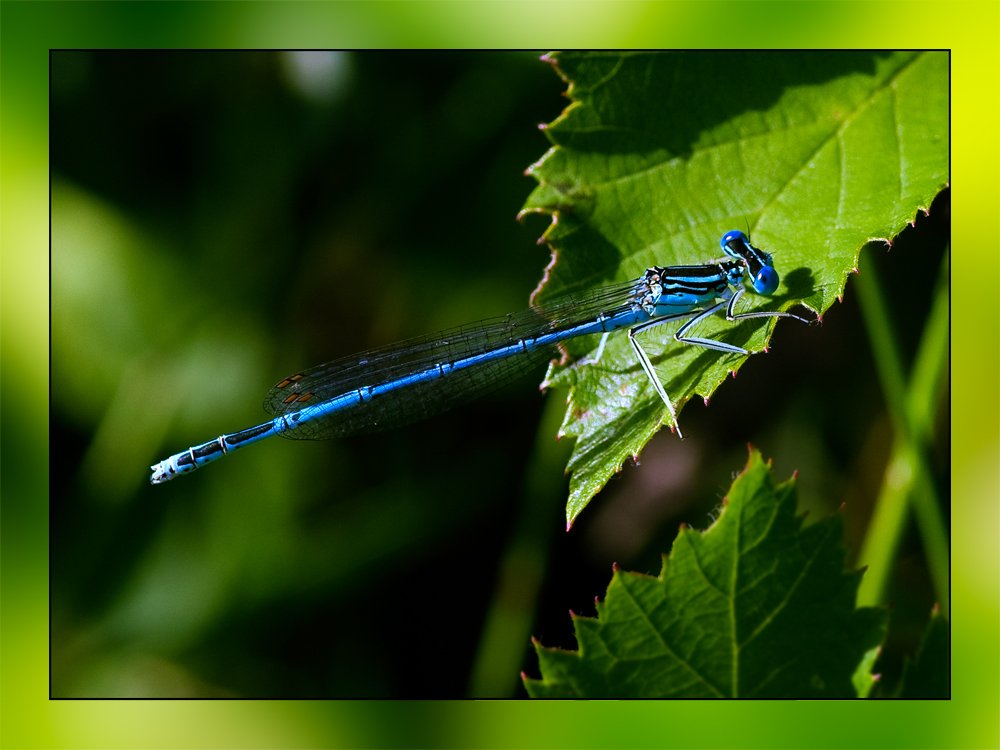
(415, 379)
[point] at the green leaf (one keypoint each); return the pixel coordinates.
(816, 153)
(758, 606)
(928, 676)
(863, 678)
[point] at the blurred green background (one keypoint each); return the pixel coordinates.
(220, 220)
(237, 216)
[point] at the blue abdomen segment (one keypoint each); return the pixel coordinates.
(199, 455)
(439, 386)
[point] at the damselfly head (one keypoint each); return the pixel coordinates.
(763, 277)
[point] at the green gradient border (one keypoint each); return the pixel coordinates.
(29, 719)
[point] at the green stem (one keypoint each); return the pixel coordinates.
(506, 633)
(912, 410)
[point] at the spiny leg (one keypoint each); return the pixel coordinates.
(719, 346)
(647, 365)
(597, 356)
(765, 314)
(730, 316)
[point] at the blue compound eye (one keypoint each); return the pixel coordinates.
(766, 281)
(734, 234)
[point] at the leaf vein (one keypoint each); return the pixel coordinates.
(810, 559)
(666, 646)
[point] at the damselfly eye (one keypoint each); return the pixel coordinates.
(733, 235)
(766, 281)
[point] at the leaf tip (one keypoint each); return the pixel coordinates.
(569, 525)
(614, 567)
(524, 676)
(842, 505)
(683, 526)
(542, 126)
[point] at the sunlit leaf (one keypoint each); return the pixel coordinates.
(863, 678)
(814, 153)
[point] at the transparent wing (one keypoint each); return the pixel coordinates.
(424, 399)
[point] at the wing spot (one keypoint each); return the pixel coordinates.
(288, 381)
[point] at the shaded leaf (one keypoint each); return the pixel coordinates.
(661, 153)
(758, 606)
(929, 675)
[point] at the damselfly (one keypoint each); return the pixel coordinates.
(415, 379)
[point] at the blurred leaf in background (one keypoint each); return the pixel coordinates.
(928, 675)
(220, 220)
